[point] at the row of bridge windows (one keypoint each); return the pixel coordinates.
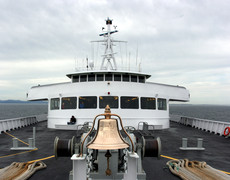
(91, 102)
(108, 77)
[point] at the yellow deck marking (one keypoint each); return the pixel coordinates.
(19, 153)
(49, 157)
(168, 157)
(16, 137)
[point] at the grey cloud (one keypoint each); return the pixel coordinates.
(173, 37)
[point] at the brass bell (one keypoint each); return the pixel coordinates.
(107, 136)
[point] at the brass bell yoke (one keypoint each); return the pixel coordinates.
(107, 136)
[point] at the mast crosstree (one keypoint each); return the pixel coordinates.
(108, 61)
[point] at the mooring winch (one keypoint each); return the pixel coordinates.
(106, 154)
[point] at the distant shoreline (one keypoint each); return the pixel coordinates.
(19, 101)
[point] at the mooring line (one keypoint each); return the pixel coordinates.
(49, 157)
(168, 157)
(19, 153)
(16, 138)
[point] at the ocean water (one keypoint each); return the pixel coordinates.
(14, 110)
(211, 112)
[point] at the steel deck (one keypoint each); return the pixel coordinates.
(216, 152)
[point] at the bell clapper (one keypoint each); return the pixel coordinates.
(108, 171)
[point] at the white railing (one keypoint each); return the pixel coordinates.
(98, 68)
(211, 126)
(15, 123)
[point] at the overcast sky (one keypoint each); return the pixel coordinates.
(178, 42)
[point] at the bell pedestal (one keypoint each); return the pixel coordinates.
(132, 166)
(79, 167)
(100, 174)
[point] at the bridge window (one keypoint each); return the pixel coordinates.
(129, 102)
(54, 103)
(117, 77)
(148, 103)
(87, 102)
(125, 78)
(100, 77)
(133, 78)
(91, 77)
(108, 77)
(161, 103)
(69, 103)
(112, 101)
(75, 78)
(83, 78)
(141, 79)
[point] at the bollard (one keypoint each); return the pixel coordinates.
(184, 142)
(30, 141)
(199, 142)
(15, 142)
(185, 145)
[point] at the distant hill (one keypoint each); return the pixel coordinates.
(19, 101)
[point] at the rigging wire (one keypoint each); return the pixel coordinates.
(121, 55)
(126, 51)
(92, 51)
(97, 54)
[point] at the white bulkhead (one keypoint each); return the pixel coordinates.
(128, 93)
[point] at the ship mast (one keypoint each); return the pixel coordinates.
(108, 62)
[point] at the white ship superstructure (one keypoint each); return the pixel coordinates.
(128, 94)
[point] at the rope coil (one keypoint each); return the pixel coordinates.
(20, 171)
(195, 170)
